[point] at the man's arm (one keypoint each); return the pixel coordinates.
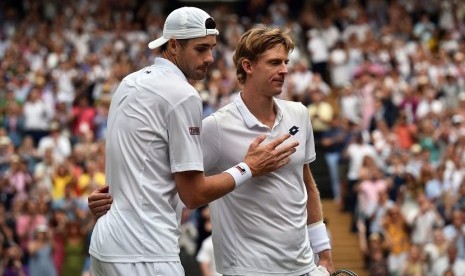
(196, 190)
(315, 221)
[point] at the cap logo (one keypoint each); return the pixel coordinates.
(209, 24)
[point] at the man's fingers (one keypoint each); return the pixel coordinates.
(104, 189)
(287, 149)
(286, 154)
(101, 209)
(100, 201)
(284, 162)
(257, 141)
(94, 198)
(273, 144)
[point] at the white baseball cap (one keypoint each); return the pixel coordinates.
(186, 23)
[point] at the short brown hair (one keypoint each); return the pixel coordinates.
(255, 42)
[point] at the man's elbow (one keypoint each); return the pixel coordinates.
(192, 201)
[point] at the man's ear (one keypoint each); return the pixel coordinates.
(247, 65)
(172, 46)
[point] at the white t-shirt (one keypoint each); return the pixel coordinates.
(60, 145)
(206, 255)
(153, 131)
(260, 227)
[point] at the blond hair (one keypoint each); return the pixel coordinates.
(257, 41)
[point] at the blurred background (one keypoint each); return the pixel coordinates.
(384, 83)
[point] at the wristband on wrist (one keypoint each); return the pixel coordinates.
(241, 173)
(318, 237)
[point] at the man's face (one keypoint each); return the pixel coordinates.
(269, 71)
(194, 57)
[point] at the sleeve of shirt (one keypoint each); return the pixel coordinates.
(310, 153)
(185, 147)
(210, 143)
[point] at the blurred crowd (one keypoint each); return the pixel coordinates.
(384, 83)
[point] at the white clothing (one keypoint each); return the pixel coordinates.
(302, 81)
(350, 108)
(61, 147)
(339, 69)
(451, 233)
(425, 107)
(331, 35)
(260, 228)
(423, 225)
(99, 268)
(318, 50)
(357, 153)
(36, 116)
(154, 121)
(206, 255)
(441, 265)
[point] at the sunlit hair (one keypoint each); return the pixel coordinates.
(257, 41)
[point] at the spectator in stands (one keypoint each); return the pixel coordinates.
(27, 222)
(36, 116)
(57, 141)
(449, 262)
(425, 221)
(334, 140)
(74, 249)
(40, 249)
(455, 232)
(397, 240)
(435, 250)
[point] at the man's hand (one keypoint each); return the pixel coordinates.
(263, 159)
(326, 260)
(99, 201)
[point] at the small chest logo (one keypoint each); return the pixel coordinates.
(293, 130)
(194, 130)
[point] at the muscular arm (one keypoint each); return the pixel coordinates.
(315, 214)
(196, 190)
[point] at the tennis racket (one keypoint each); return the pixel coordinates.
(344, 272)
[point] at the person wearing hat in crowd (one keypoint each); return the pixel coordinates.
(154, 158)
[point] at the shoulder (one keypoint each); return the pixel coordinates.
(295, 110)
(291, 106)
(227, 112)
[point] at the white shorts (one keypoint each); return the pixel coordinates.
(99, 268)
(320, 271)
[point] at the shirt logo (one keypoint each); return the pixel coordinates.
(293, 130)
(241, 169)
(194, 130)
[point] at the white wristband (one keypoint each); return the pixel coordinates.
(318, 237)
(241, 173)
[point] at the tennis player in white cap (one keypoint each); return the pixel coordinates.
(154, 156)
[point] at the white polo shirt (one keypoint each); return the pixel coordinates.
(260, 228)
(153, 131)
